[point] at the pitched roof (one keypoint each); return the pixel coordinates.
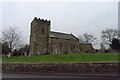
(84, 42)
(62, 35)
(118, 38)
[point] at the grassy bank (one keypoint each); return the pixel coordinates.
(74, 57)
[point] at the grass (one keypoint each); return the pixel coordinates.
(0, 59)
(74, 57)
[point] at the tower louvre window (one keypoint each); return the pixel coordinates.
(42, 30)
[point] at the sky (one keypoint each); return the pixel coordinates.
(67, 17)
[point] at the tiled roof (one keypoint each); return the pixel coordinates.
(62, 35)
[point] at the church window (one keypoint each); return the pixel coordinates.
(42, 30)
(60, 45)
(72, 47)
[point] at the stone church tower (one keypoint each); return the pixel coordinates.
(39, 36)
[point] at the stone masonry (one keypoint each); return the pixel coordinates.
(45, 41)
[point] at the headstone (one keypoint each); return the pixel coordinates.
(25, 53)
(29, 55)
(9, 55)
(38, 52)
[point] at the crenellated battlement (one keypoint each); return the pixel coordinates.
(42, 20)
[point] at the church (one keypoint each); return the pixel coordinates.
(45, 41)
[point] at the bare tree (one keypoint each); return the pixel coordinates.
(102, 46)
(12, 37)
(88, 38)
(107, 36)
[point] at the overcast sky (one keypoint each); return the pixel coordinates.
(68, 17)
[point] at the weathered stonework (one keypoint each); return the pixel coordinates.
(44, 41)
(63, 46)
(85, 48)
(93, 67)
(39, 38)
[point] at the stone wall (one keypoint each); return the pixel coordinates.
(61, 67)
(85, 48)
(59, 46)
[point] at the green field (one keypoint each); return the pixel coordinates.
(74, 57)
(0, 59)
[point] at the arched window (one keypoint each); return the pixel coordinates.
(42, 30)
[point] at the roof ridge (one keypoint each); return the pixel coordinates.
(60, 32)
